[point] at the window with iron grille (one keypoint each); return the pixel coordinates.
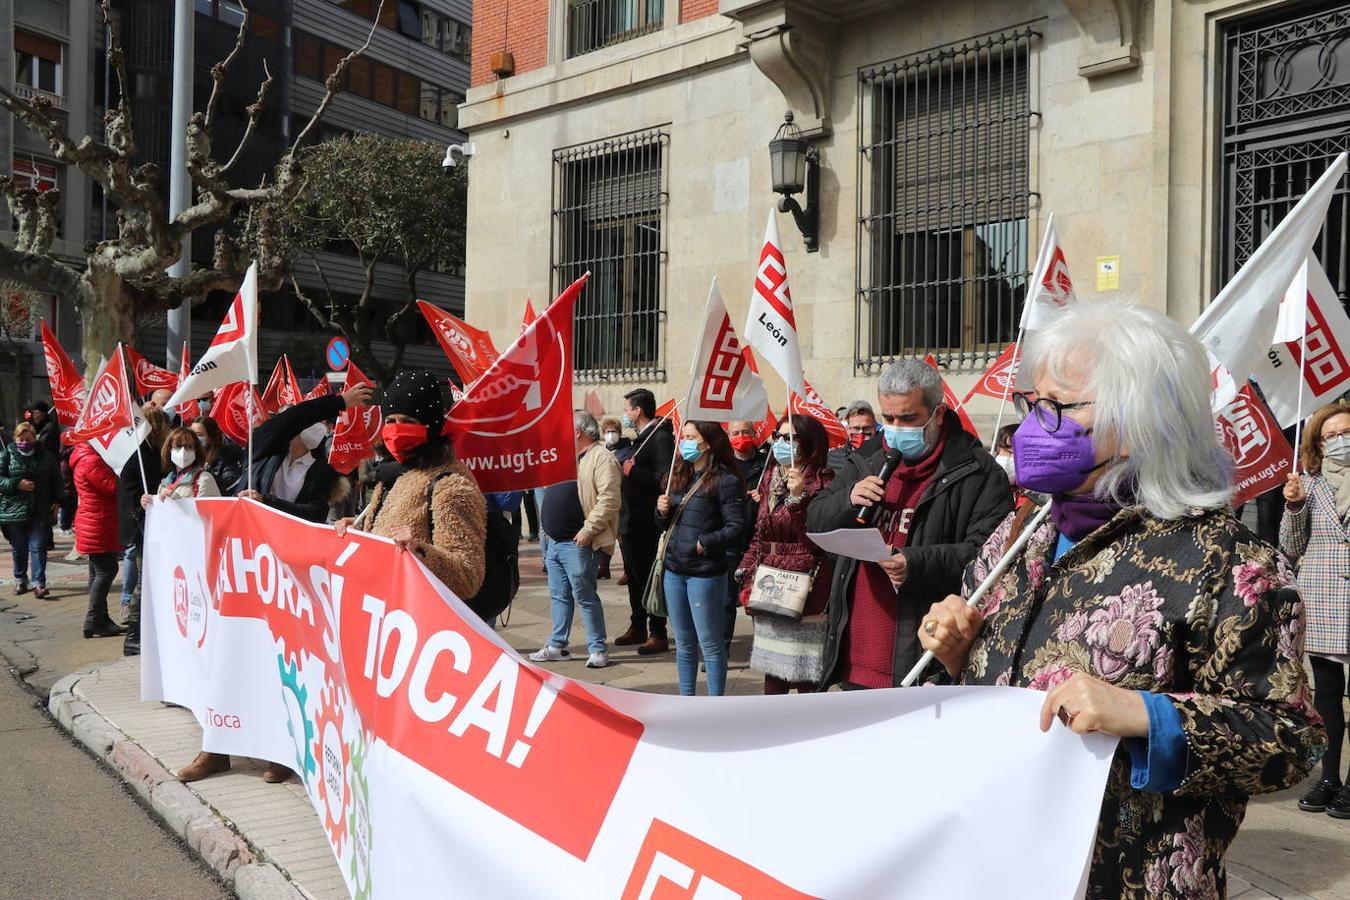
(1286, 99)
(944, 190)
(609, 220)
(593, 24)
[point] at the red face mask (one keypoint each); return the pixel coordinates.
(743, 443)
(403, 438)
(856, 440)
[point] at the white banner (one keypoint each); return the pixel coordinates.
(444, 764)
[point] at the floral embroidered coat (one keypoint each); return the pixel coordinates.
(1198, 608)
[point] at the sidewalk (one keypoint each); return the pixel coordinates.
(267, 841)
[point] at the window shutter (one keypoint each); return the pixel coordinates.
(41, 47)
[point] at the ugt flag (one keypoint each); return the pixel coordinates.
(771, 327)
(187, 410)
(513, 428)
(283, 388)
(108, 407)
(810, 403)
(470, 351)
(66, 383)
(950, 401)
(722, 386)
(233, 354)
(148, 376)
(231, 410)
(1262, 458)
(356, 429)
(998, 380)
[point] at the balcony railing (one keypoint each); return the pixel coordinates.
(29, 93)
(593, 24)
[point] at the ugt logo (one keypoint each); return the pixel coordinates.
(673, 865)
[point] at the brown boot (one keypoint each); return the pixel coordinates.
(205, 765)
(276, 773)
(655, 645)
(630, 637)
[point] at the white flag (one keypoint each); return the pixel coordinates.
(723, 387)
(771, 327)
(1292, 321)
(1239, 325)
(233, 354)
(1051, 288)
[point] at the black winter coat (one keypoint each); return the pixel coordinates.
(130, 515)
(271, 444)
(967, 498)
(228, 467)
(642, 485)
(713, 517)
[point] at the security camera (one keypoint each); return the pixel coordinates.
(456, 153)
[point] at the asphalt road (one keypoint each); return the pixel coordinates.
(68, 828)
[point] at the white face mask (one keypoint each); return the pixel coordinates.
(313, 436)
(1005, 462)
(1338, 448)
(611, 438)
(182, 457)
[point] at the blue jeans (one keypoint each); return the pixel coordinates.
(697, 609)
(131, 574)
(571, 582)
(30, 541)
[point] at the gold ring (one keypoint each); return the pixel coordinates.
(930, 627)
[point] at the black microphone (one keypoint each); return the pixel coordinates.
(863, 515)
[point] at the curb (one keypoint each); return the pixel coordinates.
(177, 806)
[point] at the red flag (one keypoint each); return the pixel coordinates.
(354, 436)
(66, 383)
(322, 389)
(949, 399)
(593, 405)
(187, 410)
(668, 410)
(529, 317)
(283, 388)
(998, 381)
(812, 405)
(514, 427)
(230, 410)
(764, 430)
(149, 377)
(1261, 456)
(470, 351)
(108, 407)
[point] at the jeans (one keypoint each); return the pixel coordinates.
(697, 608)
(102, 571)
(31, 540)
(639, 555)
(131, 573)
(571, 583)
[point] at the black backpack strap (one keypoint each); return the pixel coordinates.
(431, 513)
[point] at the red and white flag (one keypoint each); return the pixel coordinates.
(722, 385)
(147, 376)
(950, 401)
(187, 410)
(322, 389)
(233, 354)
(108, 407)
(283, 388)
(809, 403)
(670, 410)
(530, 315)
(1262, 458)
(66, 383)
(765, 428)
(513, 428)
(593, 405)
(470, 351)
(998, 381)
(1051, 288)
(230, 410)
(1239, 326)
(356, 429)
(771, 327)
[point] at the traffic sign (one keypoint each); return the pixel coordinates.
(338, 353)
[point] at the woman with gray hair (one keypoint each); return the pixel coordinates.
(1142, 607)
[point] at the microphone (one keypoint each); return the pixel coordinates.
(863, 515)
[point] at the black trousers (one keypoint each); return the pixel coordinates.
(1328, 694)
(531, 512)
(102, 571)
(639, 555)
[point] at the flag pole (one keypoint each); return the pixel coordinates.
(639, 447)
(1013, 365)
(1302, 386)
(248, 413)
(126, 383)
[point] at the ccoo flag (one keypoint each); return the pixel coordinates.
(233, 354)
(1051, 286)
(722, 387)
(771, 327)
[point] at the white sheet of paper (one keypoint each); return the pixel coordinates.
(855, 543)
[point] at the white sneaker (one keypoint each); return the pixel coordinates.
(597, 660)
(550, 653)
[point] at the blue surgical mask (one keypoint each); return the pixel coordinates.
(690, 451)
(785, 452)
(908, 439)
(627, 422)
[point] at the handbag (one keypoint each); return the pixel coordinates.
(780, 591)
(654, 595)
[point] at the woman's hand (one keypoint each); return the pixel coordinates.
(948, 630)
(402, 536)
(146, 500)
(26, 484)
(796, 481)
(663, 504)
(1294, 495)
(341, 525)
(698, 547)
(1086, 704)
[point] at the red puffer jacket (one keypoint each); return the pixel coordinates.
(96, 516)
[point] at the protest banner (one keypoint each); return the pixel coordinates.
(441, 763)
(1262, 458)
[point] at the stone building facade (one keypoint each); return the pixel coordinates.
(630, 137)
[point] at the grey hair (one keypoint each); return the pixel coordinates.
(586, 424)
(904, 375)
(859, 408)
(1150, 384)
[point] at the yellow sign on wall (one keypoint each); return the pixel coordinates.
(1108, 273)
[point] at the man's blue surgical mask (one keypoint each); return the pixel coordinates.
(908, 439)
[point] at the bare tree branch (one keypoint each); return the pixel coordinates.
(117, 59)
(219, 69)
(314, 308)
(38, 271)
(254, 113)
(333, 83)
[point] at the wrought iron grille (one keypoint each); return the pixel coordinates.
(593, 24)
(609, 201)
(1286, 116)
(944, 189)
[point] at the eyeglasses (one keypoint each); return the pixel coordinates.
(786, 438)
(1050, 413)
(1328, 438)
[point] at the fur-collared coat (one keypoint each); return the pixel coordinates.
(453, 548)
(1198, 609)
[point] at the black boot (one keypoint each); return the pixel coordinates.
(131, 645)
(104, 627)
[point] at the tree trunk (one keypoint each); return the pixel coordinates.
(107, 316)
